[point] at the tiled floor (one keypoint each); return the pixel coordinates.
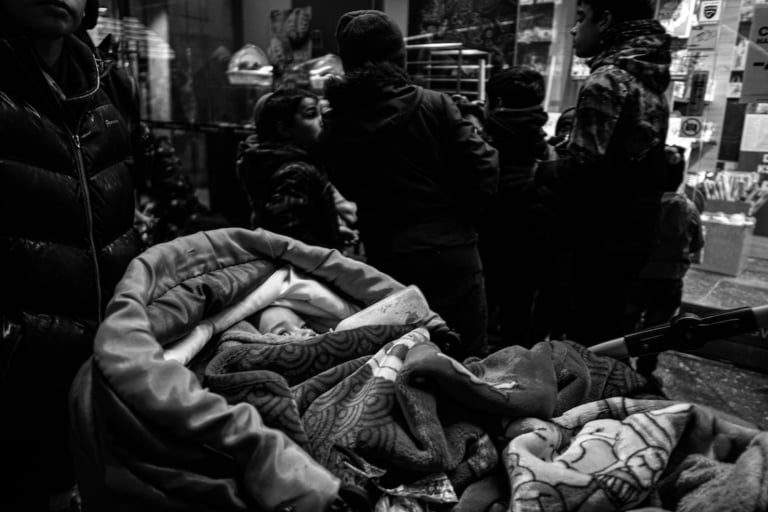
(720, 383)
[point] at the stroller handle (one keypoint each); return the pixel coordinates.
(685, 331)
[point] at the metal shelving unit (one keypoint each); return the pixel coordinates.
(449, 68)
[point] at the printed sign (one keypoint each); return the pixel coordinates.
(709, 12)
(691, 127)
(755, 87)
(703, 37)
(699, 83)
(754, 143)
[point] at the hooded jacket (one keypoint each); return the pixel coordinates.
(418, 171)
(288, 193)
(612, 176)
(519, 137)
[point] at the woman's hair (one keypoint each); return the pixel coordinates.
(623, 10)
(281, 106)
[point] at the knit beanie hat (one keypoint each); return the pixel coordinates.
(369, 36)
(517, 88)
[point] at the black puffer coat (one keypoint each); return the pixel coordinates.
(66, 214)
(66, 221)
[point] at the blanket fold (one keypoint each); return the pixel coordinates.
(390, 395)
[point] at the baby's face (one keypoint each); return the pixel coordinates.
(283, 321)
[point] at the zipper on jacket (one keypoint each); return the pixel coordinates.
(89, 218)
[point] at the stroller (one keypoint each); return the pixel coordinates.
(186, 406)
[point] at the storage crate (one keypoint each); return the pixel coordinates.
(726, 247)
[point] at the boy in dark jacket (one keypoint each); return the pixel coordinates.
(611, 177)
(511, 243)
(418, 171)
(66, 234)
(289, 192)
(658, 291)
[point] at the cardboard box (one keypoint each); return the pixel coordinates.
(726, 247)
(717, 205)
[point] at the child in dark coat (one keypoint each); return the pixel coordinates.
(288, 190)
(657, 293)
(514, 126)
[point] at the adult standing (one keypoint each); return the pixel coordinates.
(418, 171)
(66, 235)
(612, 175)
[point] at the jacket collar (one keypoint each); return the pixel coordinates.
(24, 75)
(640, 47)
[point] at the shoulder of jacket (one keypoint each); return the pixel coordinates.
(298, 168)
(608, 76)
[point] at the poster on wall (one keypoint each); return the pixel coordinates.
(754, 144)
(487, 25)
(748, 9)
(290, 41)
(755, 86)
(703, 37)
(676, 16)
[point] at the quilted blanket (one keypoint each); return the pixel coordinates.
(390, 396)
(553, 420)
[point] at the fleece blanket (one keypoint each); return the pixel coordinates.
(389, 395)
(620, 454)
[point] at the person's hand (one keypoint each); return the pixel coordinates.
(348, 235)
(347, 210)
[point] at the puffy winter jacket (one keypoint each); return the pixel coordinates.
(66, 229)
(66, 193)
(148, 436)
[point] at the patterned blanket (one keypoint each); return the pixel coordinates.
(388, 395)
(619, 454)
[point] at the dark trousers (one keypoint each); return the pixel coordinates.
(601, 287)
(452, 282)
(652, 302)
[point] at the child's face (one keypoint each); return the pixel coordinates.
(587, 31)
(307, 123)
(283, 321)
(50, 19)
